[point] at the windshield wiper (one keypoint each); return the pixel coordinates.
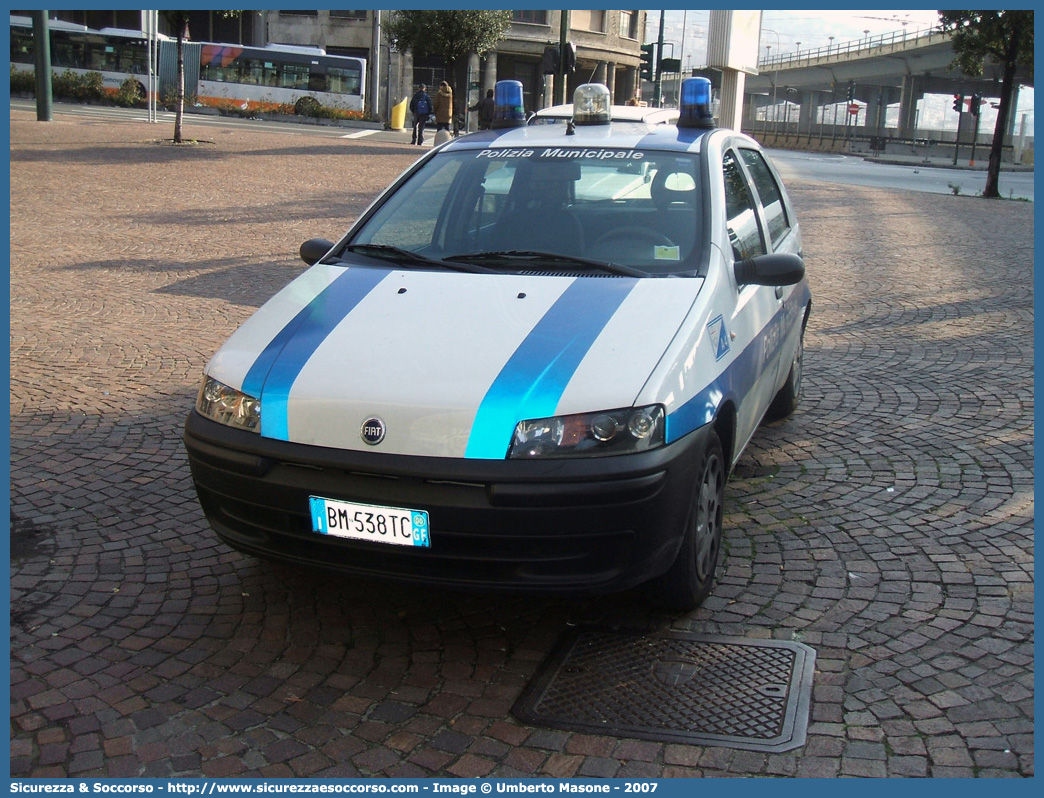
(536, 256)
(405, 257)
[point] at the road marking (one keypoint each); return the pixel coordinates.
(359, 134)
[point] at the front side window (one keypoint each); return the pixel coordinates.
(637, 209)
(740, 212)
(771, 197)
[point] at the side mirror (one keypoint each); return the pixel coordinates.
(775, 269)
(314, 249)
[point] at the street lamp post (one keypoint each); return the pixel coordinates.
(775, 76)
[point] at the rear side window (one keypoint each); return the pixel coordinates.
(771, 197)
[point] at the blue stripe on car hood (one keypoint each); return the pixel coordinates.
(273, 373)
(535, 376)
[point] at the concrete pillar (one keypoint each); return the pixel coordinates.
(912, 93)
(610, 81)
(731, 113)
(809, 103)
(875, 111)
(630, 81)
(599, 73)
(489, 77)
(471, 96)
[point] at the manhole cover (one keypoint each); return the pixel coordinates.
(677, 687)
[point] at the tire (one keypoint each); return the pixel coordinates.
(786, 401)
(689, 580)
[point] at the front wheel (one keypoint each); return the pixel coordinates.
(689, 580)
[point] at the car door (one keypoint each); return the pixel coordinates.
(782, 235)
(756, 316)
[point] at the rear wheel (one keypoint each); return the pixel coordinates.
(689, 580)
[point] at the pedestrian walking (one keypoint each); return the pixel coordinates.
(485, 110)
(421, 107)
(443, 103)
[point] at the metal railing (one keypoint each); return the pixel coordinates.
(906, 39)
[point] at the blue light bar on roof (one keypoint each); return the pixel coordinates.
(695, 107)
(508, 110)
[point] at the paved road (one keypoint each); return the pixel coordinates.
(888, 524)
(911, 173)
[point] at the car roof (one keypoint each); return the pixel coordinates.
(620, 113)
(638, 136)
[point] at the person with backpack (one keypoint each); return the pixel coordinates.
(421, 108)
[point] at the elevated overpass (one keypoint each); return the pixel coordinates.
(878, 71)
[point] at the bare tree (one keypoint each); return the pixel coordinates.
(178, 21)
(1007, 38)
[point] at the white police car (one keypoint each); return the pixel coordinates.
(529, 366)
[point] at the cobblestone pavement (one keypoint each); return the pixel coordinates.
(888, 524)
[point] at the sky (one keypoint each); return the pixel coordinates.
(811, 28)
(782, 30)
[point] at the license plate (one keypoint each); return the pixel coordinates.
(392, 525)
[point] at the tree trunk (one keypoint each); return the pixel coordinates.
(992, 188)
(179, 106)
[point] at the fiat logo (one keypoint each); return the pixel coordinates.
(373, 431)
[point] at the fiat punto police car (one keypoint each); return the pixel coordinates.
(530, 365)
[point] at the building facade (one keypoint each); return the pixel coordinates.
(607, 48)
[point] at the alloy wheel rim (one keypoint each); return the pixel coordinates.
(797, 369)
(708, 518)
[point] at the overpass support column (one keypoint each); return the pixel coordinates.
(809, 111)
(913, 91)
(876, 107)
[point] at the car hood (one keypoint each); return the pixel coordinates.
(448, 362)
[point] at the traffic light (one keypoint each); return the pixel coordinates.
(976, 102)
(851, 92)
(551, 58)
(958, 102)
(648, 67)
(569, 54)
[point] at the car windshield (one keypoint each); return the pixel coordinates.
(636, 211)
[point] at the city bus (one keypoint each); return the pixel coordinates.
(255, 78)
(117, 54)
(266, 77)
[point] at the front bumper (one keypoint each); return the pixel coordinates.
(595, 525)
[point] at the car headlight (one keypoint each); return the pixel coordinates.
(632, 429)
(225, 405)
